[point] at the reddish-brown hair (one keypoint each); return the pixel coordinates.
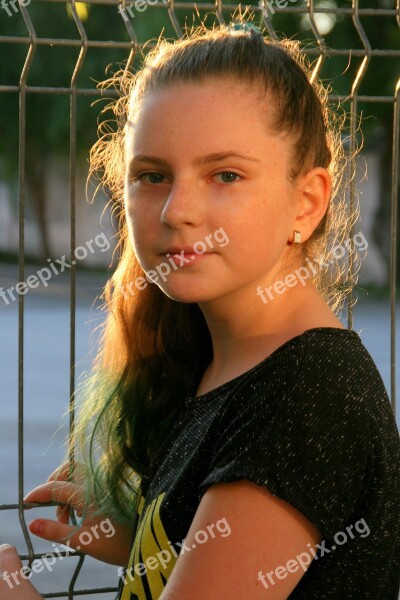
(153, 348)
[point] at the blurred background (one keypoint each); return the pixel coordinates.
(52, 54)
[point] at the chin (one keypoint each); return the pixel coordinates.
(187, 294)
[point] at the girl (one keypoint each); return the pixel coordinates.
(239, 437)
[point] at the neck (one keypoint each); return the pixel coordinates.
(244, 329)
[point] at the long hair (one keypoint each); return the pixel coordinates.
(153, 350)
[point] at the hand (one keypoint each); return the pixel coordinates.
(16, 587)
(97, 536)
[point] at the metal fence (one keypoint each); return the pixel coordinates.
(314, 18)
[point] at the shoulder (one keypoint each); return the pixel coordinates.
(320, 389)
(334, 374)
(321, 361)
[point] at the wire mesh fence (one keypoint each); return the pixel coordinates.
(53, 51)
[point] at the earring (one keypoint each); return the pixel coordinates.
(296, 237)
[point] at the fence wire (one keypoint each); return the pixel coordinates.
(268, 12)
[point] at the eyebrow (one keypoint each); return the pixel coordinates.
(214, 157)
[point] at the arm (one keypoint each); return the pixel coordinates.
(265, 533)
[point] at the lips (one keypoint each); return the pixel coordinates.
(179, 250)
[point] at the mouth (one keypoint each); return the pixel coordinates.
(179, 250)
(183, 256)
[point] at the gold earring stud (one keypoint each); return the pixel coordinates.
(296, 237)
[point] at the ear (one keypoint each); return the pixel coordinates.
(313, 192)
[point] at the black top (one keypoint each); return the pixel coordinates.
(312, 423)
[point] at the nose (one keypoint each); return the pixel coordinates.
(183, 206)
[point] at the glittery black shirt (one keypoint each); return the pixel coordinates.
(312, 423)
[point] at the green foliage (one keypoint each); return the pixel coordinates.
(47, 114)
(47, 122)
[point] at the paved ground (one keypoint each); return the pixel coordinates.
(46, 396)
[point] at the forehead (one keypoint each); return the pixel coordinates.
(210, 108)
(219, 90)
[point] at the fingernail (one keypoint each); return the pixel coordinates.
(36, 527)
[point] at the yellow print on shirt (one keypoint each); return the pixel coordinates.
(152, 557)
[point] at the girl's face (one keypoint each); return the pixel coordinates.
(207, 182)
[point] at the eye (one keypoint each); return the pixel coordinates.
(150, 174)
(229, 173)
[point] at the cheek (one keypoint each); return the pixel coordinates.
(145, 241)
(134, 229)
(258, 238)
(141, 221)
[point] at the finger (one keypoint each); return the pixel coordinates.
(61, 472)
(9, 559)
(56, 532)
(57, 491)
(10, 563)
(52, 531)
(63, 514)
(68, 471)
